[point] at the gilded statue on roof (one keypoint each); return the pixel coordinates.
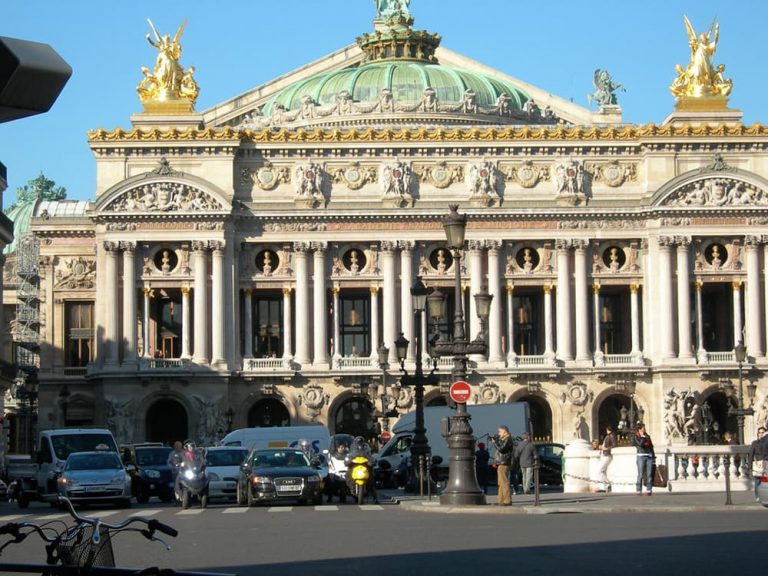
(701, 78)
(392, 9)
(168, 81)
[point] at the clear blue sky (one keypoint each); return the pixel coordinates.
(239, 44)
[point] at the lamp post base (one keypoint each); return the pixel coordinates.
(462, 488)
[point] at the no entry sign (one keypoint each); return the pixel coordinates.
(460, 392)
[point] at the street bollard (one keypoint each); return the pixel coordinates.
(727, 463)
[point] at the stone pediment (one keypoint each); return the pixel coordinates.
(715, 186)
(164, 196)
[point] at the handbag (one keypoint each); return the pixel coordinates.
(758, 467)
(660, 476)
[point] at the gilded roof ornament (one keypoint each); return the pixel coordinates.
(393, 12)
(701, 85)
(169, 88)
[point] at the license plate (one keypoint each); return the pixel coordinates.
(289, 488)
(230, 485)
(94, 489)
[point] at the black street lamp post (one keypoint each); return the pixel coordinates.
(740, 352)
(462, 488)
(420, 449)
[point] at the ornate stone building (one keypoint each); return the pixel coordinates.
(243, 265)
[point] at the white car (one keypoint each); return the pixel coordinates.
(223, 467)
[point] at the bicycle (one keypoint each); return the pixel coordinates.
(85, 548)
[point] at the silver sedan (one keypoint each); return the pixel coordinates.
(95, 477)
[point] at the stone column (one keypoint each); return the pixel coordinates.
(494, 289)
(701, 352)
(320, 304)
(248, 322)
(683, 298)
(287, 326)
(112, 324)
(218, 357)
(186, 323)
(598, 355)
(406, 300)
(754, 315)
(581, 300)
(374, 322)
(129, 304)
(564, 342)
(475, 287)
(148, 295)
(635, 318)
(200, 260)
(390, 301)
(548, 340)
(300, 250)
(511, 355)
(336, 292)
(665, 307)
(738, 323)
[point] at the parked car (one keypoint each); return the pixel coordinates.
(762, 490)
(95, 477)
(150, 473)
(223, 465)
(277, 475)
(551, 462)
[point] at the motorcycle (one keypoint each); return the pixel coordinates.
(336, 484)
(358, 474)
(192, 483)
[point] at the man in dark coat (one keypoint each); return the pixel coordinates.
(505, 448)
(525, 453)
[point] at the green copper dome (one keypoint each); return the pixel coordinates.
(405, 79)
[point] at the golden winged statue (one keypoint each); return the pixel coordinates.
(168, 82)
(701, 78)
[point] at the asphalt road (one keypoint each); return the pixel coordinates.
(387, 539)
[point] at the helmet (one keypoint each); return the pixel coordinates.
(304, 445)
(189, 445)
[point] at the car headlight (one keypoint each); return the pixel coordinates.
(188, 474)
(213, 477)
(152, 473)
(314, 478)
(261, 480)
(64, 481)
(118, 480)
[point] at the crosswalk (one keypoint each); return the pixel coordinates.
(103, 514)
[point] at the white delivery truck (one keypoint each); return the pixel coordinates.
(279, 437)
(486, 419)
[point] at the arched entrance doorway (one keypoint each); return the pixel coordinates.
(268, 412)
(167, 422)
(621, 412)
(355, 417)
(541, 417)
(717, 419)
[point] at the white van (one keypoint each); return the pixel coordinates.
(279, 437)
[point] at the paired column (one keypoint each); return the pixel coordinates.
(548, 340)
(320, 358)
(494, 289)
(200, 262)
(598, 336)
(336, 291)
(564, 343)
(374, 322)
(701, 353)
(738, 322)
(475, 287)
(511, 355)
(148, 295)
(754, 316)
(218, 357)
(390, 302)
(635, 318)
(287, 326)
(186, 323)
(248, 313)
(112, 320)
(129, 303)
(665, 308)
(683, 298)
(582, 300)
(406, 309)
(300, 251)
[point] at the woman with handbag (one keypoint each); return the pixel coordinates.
(645, 458)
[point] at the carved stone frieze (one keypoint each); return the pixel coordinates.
(164, 197)
(613, 173)
(570, 181)
(440, 175)
(577, 394)
(75, 273)
(716, 192)
(313, 398)
(489, 393)
(308, 183)
(354, 176)
(482, 179)
(618, 224)
(294, 227)
(396, 182)
(266, 177)
(526, 174)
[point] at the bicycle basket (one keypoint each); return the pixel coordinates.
(80, 551)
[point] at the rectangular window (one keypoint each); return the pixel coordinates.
(528, 324)
(79, 333)
(355, 324)
(268, 326)
(169, 313)
(615, 322)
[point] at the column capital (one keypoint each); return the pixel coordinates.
(634, 287)
(199, 246)
(319, 247)
(665, 241)
(580, 244)
(387, 246)
(287, 291)
(736, 284)
(185, 290)
(111, 246)
(547, 289)
(335, 290)
(247, 291)
(148, 292)
(127, 246)
(563, 243)
(596, 288)
(510, 288)
(493, 245)
(752, 241)
(404, 245)
(301, 247)
(682, 241)
(699, 283)
(217, 245)
(475, 245)
(374, 290)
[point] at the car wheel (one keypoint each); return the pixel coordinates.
(204, 500)
(249, 497)
(240, 498)
(360, 495)
(125, 503)
(185, 499)
(142, 495)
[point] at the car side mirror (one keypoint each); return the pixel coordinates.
(130, 468)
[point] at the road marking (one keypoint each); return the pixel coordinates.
(189, 512)
(52, 516)
(234, 510)
(104, 513)
(145, 513)
(327, 508)
(371, 507)
(280, 509)
(13, 517)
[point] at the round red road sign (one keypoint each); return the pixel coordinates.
(385, 436)
(460, 392)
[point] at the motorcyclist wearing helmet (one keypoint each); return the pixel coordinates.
(337, 468)
(360, 447)
(189, 457)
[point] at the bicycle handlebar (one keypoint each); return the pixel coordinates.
(153, 525)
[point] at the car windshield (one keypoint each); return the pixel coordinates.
(226, 457)
(107, 461)
(152, 456)
(278, 459)
(65, 444)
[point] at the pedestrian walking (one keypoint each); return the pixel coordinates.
(757, 458)
(525, 454)
(482, 460)
(608, 443)
(645, 458)
(505, 448)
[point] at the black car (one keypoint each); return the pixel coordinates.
(150, 473)
(551, 463)
(277, 475)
